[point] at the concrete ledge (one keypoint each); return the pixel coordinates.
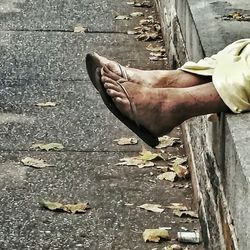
(219, 150)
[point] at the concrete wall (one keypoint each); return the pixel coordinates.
(219, 150)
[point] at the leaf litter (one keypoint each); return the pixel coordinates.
(69, 208)
(80, 29)
(47, 147)
(35, 163)
(126, 141)
(155, 235)
(152, 207)
(46, 104)
(167, 141)
(144, 159)
(168, 176)
(144, 4)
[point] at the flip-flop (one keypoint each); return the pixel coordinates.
(93, 63)
(94, 72)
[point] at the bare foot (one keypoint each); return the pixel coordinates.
(160, 110)
(149, 78)
(156, 109)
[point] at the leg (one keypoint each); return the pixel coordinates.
(169, 106)
(151, 78)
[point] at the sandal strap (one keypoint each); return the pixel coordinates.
(123, 72)
(132, 104)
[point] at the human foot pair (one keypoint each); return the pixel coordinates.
(141, 100)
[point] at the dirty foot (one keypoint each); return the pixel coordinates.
(146, 105)
(149, 78)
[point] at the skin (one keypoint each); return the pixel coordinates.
(168, 97)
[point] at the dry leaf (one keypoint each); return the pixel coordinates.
(149, 36)
(136, 14)
(181, 171)
(169, 176)
(173, 247)
(144, 4)
(156, 58)
(134, 161)
(47, 147)
(166, 141)
(152, 207)
(130, 3)
(179, 161)
(177, 206)
(155, 48)
(147, 155)
(155, 235)
(132, 32)
(190, 214)
(69, 208)
(80, 29)
(35, 163)
(126, 141)
(122, 17)
(46, 104)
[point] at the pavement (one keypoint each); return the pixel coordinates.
(43, 59)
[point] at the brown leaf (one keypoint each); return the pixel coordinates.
(167, 141)
(144, 4)
(155, 235)
(179, 161)
(35, 163)
(132, 32)
(169, 176)
(181, 171)
(134, 161)
(136, 14)
(47, 147)
(69, 208)
(46, 104)
(122, 17)
(190, 214)
(173, 247)
(126, 141)
(80, 29)
(155, 48)
(147, 155)
(152, 207)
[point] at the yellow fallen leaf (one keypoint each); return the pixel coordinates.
(152, 207)
(167, 141)
(80, 29)
(169, 176)
(181, 171)
(155, 48)
(146, 155)
(122, 17)
(179, 161)
(173, 247)
(46, 104)
(190, 214)
(144, 4)
(155, 235)
(132, 32)
(134, 161)
(47, 147)
(126, 141)
(69, 208)
(136, 14)
(35, 163)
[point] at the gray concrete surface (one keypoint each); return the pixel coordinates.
(43, 60)
(219, 150)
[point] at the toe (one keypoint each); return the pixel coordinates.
(115, 94)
